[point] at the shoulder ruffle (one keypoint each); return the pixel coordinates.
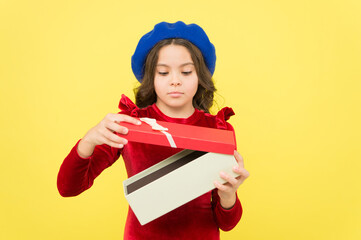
(222, 116)
(128, 107)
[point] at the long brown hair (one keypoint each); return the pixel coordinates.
(203, 99)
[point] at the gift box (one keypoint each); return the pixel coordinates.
(183, 176)
(181, 136)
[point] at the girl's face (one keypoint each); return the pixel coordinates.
(175, 81)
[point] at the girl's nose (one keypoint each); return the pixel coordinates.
(175, 81)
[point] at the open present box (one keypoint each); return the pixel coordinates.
(183, 176)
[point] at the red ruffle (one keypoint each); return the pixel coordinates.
(222, 116)
(128, 107)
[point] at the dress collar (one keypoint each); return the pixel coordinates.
(189, 120)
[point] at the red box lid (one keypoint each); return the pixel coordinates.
(184, 136)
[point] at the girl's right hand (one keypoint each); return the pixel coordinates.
(105, 133)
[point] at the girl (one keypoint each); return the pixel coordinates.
(174, 63)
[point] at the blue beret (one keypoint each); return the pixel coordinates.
(192, 32)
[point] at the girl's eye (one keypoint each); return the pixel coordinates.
(187, 73)
(163, 73)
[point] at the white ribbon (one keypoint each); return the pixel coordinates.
(155, 126)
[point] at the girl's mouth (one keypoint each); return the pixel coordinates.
(175, 94)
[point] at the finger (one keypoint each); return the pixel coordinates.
(126, 118)
(244, 174)
(242, 177)
(237, 169)
(239, 159)
(114, 138)
(220, 186)
(228, 178)
(112, 117)
(225, 188)
(110, 143)
(115, 127)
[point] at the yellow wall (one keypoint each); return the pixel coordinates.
(291, 70)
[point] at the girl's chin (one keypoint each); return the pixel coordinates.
(174, 102)
(175, 105)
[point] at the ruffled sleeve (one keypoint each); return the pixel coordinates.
(128, 107)
(226, 219)
(222, 116)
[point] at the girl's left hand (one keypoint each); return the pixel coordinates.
(227, 191)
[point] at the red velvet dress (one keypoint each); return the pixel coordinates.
(200, 218)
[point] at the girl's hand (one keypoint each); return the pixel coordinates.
(105, 133)
(227, 191)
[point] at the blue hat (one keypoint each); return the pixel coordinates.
(192, 32)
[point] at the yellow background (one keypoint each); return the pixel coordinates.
(291, 70)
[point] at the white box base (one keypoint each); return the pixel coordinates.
(183, 184)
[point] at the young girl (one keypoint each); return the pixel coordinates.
(174, 63)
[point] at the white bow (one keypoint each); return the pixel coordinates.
(155, 126)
